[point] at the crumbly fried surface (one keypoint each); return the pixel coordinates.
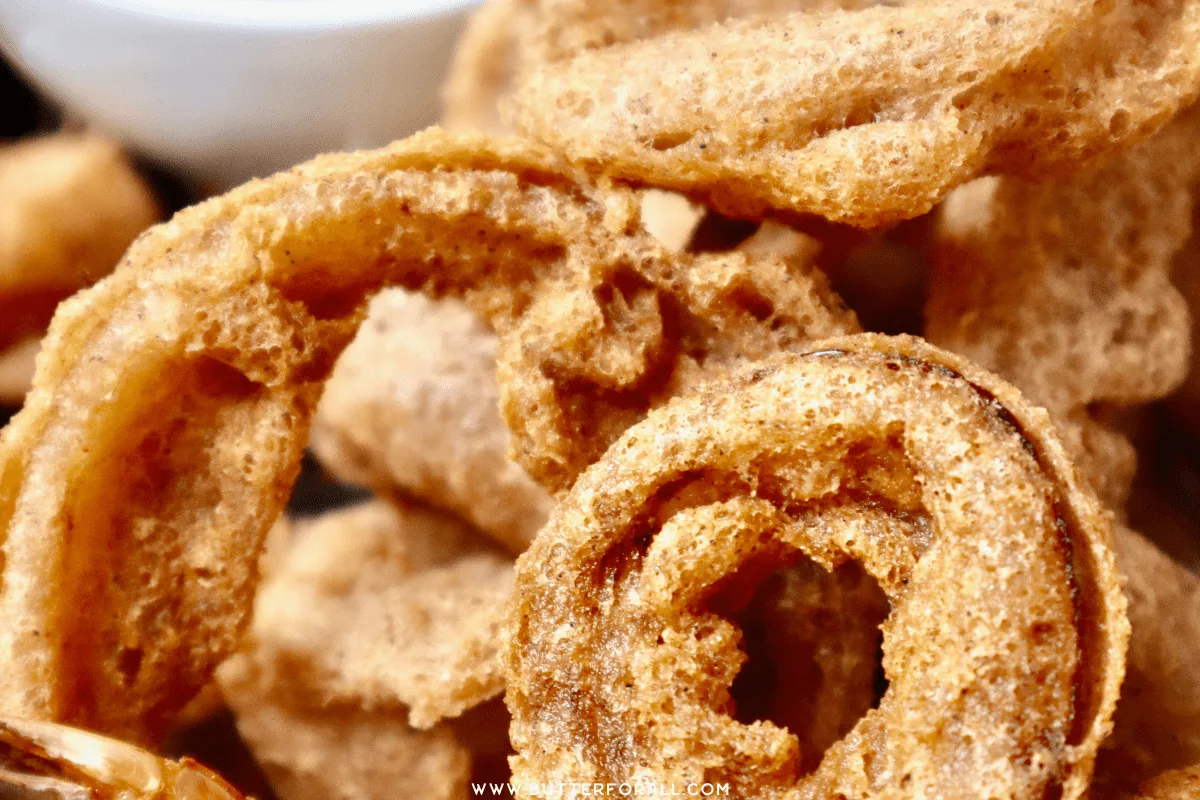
(413, 405)
(385, 606)
(1181, 784)
(340, 752)
(168, 418)
(1005, 644)
(1064, 288)
(1157, 723)
(867, 116)
(69, 206)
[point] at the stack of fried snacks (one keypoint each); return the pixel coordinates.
(759, 549)
(69, 206)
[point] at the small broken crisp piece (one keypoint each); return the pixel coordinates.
(867, 116)
(413, 406)
(1064, 288)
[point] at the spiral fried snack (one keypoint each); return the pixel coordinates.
(1064, 288)
(413, 406)
(1181, 784)
(378, 618)
(1006, 639)
(69, 206)
(169, 416)
(868, 116)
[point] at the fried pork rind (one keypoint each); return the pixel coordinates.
(1181, 784)
(413, 406)
(1064, 288)
(485, 64)
(172, 405)
(16, 370)
(1157, 722)
(378, 618)
(867, 116)
(1005, 644)
(1186, 403)
(69, 206)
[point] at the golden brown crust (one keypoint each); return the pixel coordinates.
(413, 406)
(69, 206)
(484, 66)
(16, 370)
(1006, 641)
(167, 421)
(1064, 288)
(868, 116)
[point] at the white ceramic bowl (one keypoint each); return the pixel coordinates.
(225, 90)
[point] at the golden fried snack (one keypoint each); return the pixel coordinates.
(1186, 402)
(1064, 288)
(168, 419)
(1157, 722)
(16, 370)
(870, 116)
(1181, 784)
(340, 752)
(484, 66)
(46, 760)
(69, 206)
(386, 606)
(374, 619)
(1005, 645)
(413, 406)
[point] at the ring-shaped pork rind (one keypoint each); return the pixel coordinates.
(866, 116)
(173, 399)
(1006, 640)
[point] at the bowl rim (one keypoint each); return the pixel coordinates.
(285, 14)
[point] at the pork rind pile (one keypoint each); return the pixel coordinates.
(750, 395)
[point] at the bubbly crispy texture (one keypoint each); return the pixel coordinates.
(386, 606)
(69, 206)
(1157, 722)
(413, 405)
(1005, 645)
(16, 370)
(340, 752)
(867, 116)
(1064, 288)
(1180, 784)
(173, 399)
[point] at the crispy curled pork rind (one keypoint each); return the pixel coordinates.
(1157, 723)
(387, 607)
(16, 370)
(413, 405)
(1005, 644)
(1064, 288)
(69, 206)
(340, 752)
(58, 762)
(1180, 784)
(173, 399)
(867, 116)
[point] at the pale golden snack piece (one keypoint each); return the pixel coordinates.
(69, 206)
(16, 370)
(174, 398)
(413, 405)
(1180, 784)
(1064, 288)
(1157, 722)
(485, 63)
(869, 116)
(1005, 646)
(340, 752)
(386, 606)
(58, 762)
